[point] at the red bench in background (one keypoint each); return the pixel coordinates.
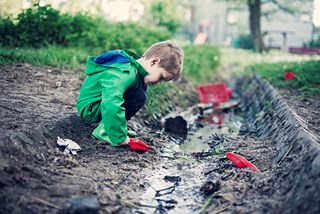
(308, 50)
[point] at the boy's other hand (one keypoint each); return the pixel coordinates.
(126, 142)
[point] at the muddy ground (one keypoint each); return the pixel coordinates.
(37, 104)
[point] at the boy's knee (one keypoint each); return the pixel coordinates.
(91, 113)
(134, 98)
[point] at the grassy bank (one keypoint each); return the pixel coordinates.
(272, 66)
(307, 73)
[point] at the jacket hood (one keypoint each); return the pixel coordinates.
(108, 59)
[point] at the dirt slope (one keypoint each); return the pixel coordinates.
(37, 106)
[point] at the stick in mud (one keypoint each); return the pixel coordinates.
(46, 202)
(287, 153)
(135, 205)
(169, 189)
(11, 109)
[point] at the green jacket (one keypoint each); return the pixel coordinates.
(104, 87)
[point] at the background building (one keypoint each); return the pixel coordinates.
(227, 21)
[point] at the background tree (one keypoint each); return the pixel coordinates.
(268, 8)
(165, 13)
(254, 7)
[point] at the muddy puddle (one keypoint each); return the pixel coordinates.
(179, 184)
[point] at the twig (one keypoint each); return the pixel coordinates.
(221, 210)
(260, 147)
(287, 153)
(210, 171)
(228, 175)
(169, 191)
(129, 203)
(46, 202)
(136, 205)
(314, 122)
(146, 205)
(10, 109)
(315, 112)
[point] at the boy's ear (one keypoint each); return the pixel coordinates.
(155, 60)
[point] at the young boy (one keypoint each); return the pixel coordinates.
(115, 87)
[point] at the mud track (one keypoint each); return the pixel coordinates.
(37, 106)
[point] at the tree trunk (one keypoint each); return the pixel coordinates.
(255, 28)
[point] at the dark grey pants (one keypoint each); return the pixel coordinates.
(134, 100)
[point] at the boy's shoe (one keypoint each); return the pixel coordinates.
(132, 133)
(99, 133)
(93, 137)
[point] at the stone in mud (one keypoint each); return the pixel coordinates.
(82, 205)
(21, 137)
(38, 134)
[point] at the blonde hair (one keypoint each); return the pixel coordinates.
(171, 57)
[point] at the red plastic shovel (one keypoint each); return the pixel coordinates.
(240, 161)
(138, 146)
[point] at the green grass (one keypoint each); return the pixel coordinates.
(236, 60)
(70, 58)
(272, 66)
(200, 62)
(165, 97)
(307, 73)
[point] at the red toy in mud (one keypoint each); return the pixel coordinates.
(214, 93)
(241, 162)
(138, 146)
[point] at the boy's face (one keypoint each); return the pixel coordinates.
(156, 74)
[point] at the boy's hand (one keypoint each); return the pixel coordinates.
(125, 143)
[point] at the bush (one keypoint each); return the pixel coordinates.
(200, 62)
(315, 43)
(132, 36)
(244, 42)
(41, 26)
(7, 31)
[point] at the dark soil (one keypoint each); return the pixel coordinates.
(33, 101)
(307, 108)
(37, 105)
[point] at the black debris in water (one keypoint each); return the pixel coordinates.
(176, 126)
(165, 191)
(174, 179)
(210, 187)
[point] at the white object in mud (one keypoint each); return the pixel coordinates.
(70, 145)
